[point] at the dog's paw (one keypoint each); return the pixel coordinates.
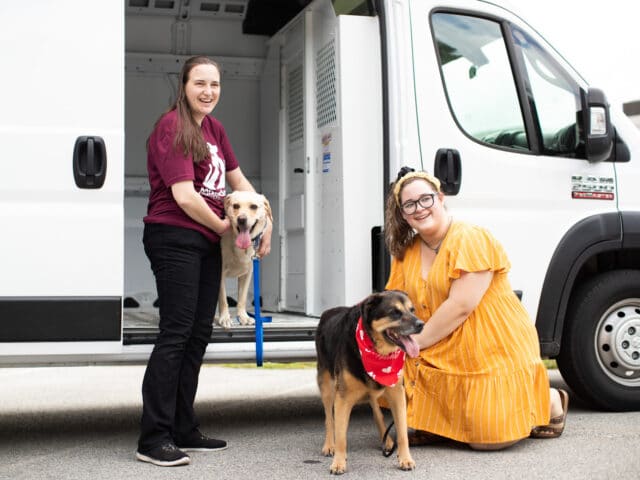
(224, 321)
(338, 467)
(328, 450)
(406, 463)
(245, 319)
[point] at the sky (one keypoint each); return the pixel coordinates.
(600, 39)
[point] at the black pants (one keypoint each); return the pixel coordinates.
(187, 269)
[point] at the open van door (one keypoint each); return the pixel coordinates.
(61, 178)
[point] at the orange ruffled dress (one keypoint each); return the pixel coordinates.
(484, 383)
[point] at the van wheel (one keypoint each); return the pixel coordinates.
(600, 350)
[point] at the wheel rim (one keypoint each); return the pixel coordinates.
(618, 342)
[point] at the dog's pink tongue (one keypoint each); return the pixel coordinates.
(410, 346)
(243, 240)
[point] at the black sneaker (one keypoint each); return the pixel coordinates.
(165, 455)
(198, 442)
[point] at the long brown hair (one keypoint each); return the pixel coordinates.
(188, 134)
(398, 235)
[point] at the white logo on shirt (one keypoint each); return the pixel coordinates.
(213, 185)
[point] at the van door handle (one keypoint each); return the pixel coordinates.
(447, 167)
(89, 162)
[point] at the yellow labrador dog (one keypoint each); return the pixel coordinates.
(248, 213)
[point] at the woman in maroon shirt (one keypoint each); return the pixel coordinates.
(190, 161)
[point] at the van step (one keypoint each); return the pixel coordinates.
(145, 336)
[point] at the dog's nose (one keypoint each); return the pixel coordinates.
(242, 220)
(414, 323)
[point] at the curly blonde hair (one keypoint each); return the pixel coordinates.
(398, 235)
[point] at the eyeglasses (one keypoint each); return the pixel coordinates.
(425, 201)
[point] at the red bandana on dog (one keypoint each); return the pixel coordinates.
(384, 369)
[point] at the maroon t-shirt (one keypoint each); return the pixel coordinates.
(168, 165)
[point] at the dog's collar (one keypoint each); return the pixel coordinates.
(384, 369)
(256, 244)
(256, 241)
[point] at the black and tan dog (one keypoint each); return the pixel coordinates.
(361, 352)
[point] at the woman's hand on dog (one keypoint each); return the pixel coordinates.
(225, 226)
(265, 242)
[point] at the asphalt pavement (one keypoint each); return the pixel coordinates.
(82, 423)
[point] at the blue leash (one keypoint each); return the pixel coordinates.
(259, 319)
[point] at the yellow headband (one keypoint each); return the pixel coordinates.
(423, 175)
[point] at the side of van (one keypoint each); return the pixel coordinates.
(323, 102)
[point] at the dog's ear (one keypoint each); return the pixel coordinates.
(267, 208)
(227, 201)
(370, 304)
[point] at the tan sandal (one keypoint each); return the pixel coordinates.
(556, 425)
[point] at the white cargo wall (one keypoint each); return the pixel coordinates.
(307, 46)
(329, 156)
(360, 110)
(292, 160)
(349, 152)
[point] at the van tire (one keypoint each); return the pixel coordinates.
(600, 350)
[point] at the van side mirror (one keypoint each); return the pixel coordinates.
(597, 125)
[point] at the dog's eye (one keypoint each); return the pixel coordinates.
(236, 206)
(253, 206)
(395, 314)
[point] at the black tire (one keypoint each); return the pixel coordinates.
(600, 350)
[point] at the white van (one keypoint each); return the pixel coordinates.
(323, 102)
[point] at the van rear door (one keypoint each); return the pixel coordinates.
(61, 177)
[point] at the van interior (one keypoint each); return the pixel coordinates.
(275, 63)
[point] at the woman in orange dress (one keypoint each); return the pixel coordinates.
(479, 378)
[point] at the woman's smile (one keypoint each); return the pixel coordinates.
(426, 213)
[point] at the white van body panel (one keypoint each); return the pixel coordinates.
(523, 199)
(627, 173)
(65, 80)
(61, 245)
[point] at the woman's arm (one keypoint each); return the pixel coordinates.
(196, 207)
(464, 296)
(237, 181)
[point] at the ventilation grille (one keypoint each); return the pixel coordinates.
(294, 104)
(220, 8)
(154, 7)
(199, 8)
(326, 85)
